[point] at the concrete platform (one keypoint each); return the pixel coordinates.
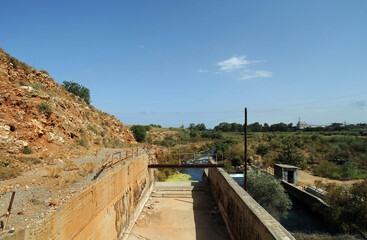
(180, 210)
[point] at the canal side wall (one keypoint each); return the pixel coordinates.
(105, 210)
(316, 204)
(244, 217)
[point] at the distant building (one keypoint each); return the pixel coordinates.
(336, 125)
(302, 125)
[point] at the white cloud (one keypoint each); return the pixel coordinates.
(241, 67)
(202, 71)
(255, 74)
(233, 63)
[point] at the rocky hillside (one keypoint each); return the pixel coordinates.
(38, 115)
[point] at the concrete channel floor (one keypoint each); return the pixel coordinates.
(180, 210)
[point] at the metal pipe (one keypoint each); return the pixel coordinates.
(9, 209)
(245, 160)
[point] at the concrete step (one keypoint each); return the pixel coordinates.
(157, 195)
(181, 186)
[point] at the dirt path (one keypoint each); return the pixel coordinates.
(306, 179)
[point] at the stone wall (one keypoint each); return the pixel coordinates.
(244, 217)
(102, 211)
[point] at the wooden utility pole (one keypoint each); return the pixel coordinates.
(245, 160)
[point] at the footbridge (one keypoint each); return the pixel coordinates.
(128, 203)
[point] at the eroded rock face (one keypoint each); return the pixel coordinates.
(37, 112)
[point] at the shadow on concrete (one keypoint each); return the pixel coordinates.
(209, 224)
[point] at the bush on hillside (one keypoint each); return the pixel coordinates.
(78, 90)
(139, 132)
(45, 108)
(348, 205)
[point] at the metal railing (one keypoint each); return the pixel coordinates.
(188, 160)
(115, 158)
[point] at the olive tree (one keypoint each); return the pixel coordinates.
(266, 189)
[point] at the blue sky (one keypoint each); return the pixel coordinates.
(177, 62)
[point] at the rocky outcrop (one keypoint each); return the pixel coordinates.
(37, 112)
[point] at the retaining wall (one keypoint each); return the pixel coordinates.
(316, 204)
(244, 217)
(102, 211)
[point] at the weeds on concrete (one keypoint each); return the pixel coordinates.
(54, 172)
(86, 168)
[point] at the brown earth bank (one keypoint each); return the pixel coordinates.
(67, 121)
(51, 141)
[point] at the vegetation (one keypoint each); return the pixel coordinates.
(27, 150)
(77, 90)
(45, 108)
(348, 206)
(83, 140)
(266, 189)
(44, 71)
(9, 172)
(139, 132)
(7, 169)
(19, 64)
(336, 157)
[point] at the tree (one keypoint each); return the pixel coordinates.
(255, 127)
(200, 127)
(278, 127)
(139, 132)
(266, 189)
(224, 127)
(265, 127)
(289, 154)
(78, 90)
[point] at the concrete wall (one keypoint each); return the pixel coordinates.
(316, 204)
(244, 217)
(102, 211)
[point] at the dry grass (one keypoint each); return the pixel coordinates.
(54, 172)
(70, 165)
(69, 178)
(86, 168)
(9, 172)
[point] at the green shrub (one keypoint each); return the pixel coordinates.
(37, 86)
(139, 132)
(348, 206)
(262, 150)
(78, 90)
(266, 189)
(325, 169)
(45, 108)
(27, 150)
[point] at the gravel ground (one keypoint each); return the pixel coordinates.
(38, 194)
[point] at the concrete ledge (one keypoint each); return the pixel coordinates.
(316, 204)
(244, 217)
(104, 210)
